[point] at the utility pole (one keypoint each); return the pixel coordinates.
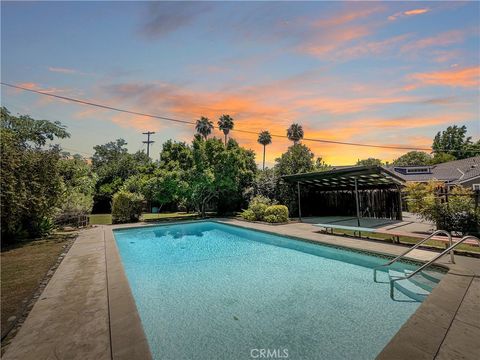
(148, 142)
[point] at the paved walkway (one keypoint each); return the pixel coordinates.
(73, 320)
(70, 319)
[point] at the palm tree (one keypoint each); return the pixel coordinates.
(295, 133)
(225, 123)
(204, 127)
(265, 139)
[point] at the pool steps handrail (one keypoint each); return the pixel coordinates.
(452, 258)
(450, 248)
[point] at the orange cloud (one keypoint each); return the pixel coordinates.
(408, 13)
(468, 77)
(416, 11)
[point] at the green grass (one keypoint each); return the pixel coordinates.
(412, 240)
(106, 219)
(100, 219)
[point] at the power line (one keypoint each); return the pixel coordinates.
(89, 103)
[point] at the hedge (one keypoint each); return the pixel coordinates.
(126, 207)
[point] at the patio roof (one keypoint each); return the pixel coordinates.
(367, 177)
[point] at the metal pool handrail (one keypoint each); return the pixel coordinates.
(450, 248)
(452, 258)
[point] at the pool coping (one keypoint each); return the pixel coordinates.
(420, 337)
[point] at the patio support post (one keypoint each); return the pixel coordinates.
(299, 203)
(400, 205)
(357, 202)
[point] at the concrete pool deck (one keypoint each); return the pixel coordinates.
(87, 310)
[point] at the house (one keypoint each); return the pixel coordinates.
(465, 172)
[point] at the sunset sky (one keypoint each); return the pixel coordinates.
(391, 73)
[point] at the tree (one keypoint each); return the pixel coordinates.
(176, 155)
(295, 133)
(30, 181)
(78, 185)
(298, 159)
(265, 139)
(453, 141)
(113, 165)
(439, 158)
(220, 175)
(413, 158)
(225, 123)
(30, 131)
(370, 162)
(204, 127)
(164, 187)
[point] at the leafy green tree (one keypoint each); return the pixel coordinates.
(176, 155)
(370, 162)
(454, 141)
(113, 165)
(78, 183)
(31, 132)
(225, 123)
(295, 133)
(30, 181)
(165, 187)
(265, 139)
(298, 159)
(220, 175)
(204, 127)
(413, 158)
(439, 158)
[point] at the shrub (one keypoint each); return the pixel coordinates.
(458, 214)
(258, 205)
(276, 214)
(126, 207)
(248, 215)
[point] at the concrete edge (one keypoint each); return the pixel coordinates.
(127, 337)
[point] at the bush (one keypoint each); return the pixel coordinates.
(248, 215)
(258, 205)
(457, 215)
(276, 214)
(126, 207)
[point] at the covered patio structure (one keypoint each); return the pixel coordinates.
(357, 191)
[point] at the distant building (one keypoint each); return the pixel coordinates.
(465, 172)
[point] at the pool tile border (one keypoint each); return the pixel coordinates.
(421, 337)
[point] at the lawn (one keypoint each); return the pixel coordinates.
(106, 219)
(23, 266)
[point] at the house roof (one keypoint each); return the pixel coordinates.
(456, 171)
(343, 178)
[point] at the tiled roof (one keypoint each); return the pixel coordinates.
(452, 171)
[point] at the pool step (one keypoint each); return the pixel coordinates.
(422, 280)
(408, 287)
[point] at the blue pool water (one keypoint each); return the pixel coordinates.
(206, 290)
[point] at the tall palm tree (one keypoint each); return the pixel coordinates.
(204, 127)
(265, 139)
(295, 133)
(225, 123)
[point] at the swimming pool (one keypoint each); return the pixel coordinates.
(207, 290)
